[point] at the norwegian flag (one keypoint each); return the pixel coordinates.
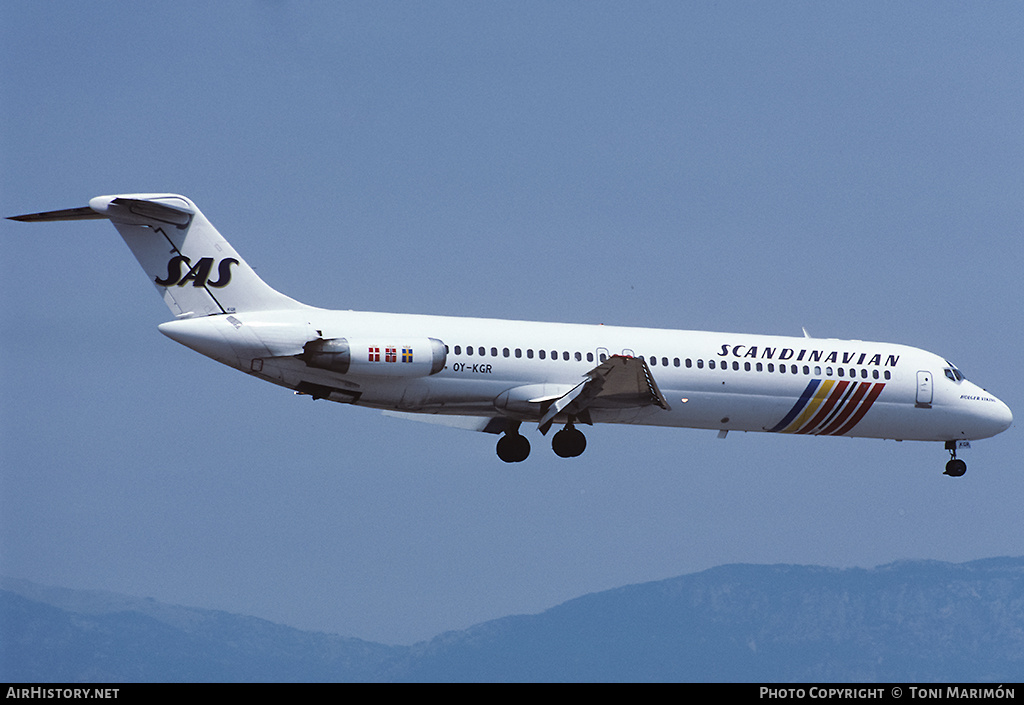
(390, 354)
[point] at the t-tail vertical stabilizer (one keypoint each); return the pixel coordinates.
(194, 268)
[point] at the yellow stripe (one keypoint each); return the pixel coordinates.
(811, 407)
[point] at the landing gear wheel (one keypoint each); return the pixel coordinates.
(569, 442)
(513, 448)
(955, 468)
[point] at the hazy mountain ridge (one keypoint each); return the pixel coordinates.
(54, 634)
(906, 621)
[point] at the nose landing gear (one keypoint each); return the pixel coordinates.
(955, 467)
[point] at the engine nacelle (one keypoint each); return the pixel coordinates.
(418, 357)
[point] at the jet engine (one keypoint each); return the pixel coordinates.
(416, 357)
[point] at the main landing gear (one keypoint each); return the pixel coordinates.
(955, 467)
(567, 443)
(513, 447)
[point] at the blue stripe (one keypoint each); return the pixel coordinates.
(798, 407)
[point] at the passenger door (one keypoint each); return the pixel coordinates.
(924, 389)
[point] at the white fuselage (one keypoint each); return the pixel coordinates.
(494, 375)
(721, 381)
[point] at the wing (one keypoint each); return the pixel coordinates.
(617, 383)
(486, 424)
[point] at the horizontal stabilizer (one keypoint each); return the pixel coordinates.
(194, 269)
(84, 213)
(140, 210)
(170, 209)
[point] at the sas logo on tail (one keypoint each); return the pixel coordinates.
(198, 274)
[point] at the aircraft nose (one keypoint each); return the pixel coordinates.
(984, 414)
(994, 416)
(1002, 417)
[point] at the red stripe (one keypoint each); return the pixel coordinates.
(834, 396)
(848, 409)
(876, 389)
(839, 407)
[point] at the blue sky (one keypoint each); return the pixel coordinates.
(853, 168)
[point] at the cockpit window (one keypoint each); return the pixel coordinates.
(952, 372)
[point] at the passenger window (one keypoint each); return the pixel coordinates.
(542, 353)
(689, 362)
(887, 375)
(458, 349)
(482, 351)
(874, 373)
(519, 352)
(807, 370)
(711, 364)
(760, 367)
(746, 366)
(565, 355)
(529, 353)
(590, 357)
(700, 364)
(675, 362)
(505, 352)
(839, 371)
(494, 352)
(735, 365)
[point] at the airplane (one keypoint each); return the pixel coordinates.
(495, 376)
